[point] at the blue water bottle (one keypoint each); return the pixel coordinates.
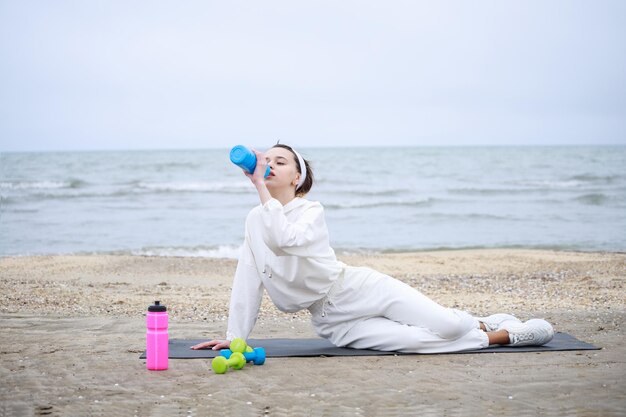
(245, 159)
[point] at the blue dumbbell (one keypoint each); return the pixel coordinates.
(256, 356)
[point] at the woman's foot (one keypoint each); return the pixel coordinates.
(492, 323)
(535, 332)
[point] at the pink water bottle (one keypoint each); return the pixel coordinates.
(156, 337)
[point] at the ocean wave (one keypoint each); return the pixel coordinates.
(42, 185)
(222, 251)
(593, 199)
(369, 192)
(470, 216)
(377, 250)
(394, 203)
(65, 195)
(526, 186)
(77, 190)
(596, 179)
(34, 197)
(488, 191)
(218, 186)
(161, 166)
(15, 210)
(6, 200)
(522, 187)
(550, 184)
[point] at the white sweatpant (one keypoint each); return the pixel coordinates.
(366, 309)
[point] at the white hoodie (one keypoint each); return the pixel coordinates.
(286, 251)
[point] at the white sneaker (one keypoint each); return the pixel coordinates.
(492, 323)
(535, 332)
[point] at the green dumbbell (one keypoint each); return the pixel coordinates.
(220, 364)
(256, 355)
(238, 345)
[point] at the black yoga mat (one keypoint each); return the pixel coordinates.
(281, 348)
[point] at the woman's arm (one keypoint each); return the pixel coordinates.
(245, 298)
(258, 177)
(245, 301)
(280, 235)
(293, 238)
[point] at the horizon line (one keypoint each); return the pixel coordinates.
(322, 147)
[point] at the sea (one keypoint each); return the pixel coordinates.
(193, 203)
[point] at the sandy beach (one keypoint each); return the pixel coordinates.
(73, 329)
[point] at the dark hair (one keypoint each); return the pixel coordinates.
(308, 181)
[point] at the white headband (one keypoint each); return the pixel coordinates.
(302, 168)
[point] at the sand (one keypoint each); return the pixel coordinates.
(73, 328)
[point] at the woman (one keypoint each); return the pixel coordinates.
(287, 252)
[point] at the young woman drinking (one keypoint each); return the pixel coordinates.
(286, 251)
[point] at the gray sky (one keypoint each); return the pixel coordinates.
(199, 74)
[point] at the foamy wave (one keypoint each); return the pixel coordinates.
(76, 189)
(162, 166)
(521, 189)
(370, 192)
(222, 186)
(389, 203)
(471, 216)
(552, 184)
(223, 251)
(357, 252)
(41, 185)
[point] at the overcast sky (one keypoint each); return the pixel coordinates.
(80, 75)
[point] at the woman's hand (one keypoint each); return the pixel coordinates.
(258, 176)
(215, 344)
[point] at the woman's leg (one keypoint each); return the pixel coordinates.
(380, 333)
(401, 303)
(494, 322)
(373, 310)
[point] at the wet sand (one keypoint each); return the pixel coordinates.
(73, 330)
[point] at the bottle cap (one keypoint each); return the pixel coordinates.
(157, 307)
(241, 155)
